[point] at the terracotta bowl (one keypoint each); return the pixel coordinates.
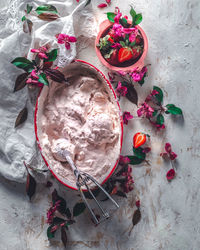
(105, 25)
(39, 110)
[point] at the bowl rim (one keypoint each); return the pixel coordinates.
(121, 124)
(139, 64)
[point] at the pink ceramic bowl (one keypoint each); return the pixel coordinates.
(39, 110)
(105, 25)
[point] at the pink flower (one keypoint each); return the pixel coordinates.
(137, 203)
(170, 174)
(51, 211)
(34, 75)
(41, 52)
(126, 117)
(102, 5)
(127, 186)
(118, 16)
(153, 93)
(158, 126)
(66, 39)
(146, 150)
(126, 17)
(116, 45)
(123, 160)
(137, 75)
(145, 111)
(118, 30)
(121, 72)
(169, 152)
(121, 90)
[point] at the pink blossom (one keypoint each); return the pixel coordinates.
(170, 174)
(41, 52)
(116, 45)
(118, 30)
(158, 126)
(66, 39)
(169, 152)
(146, 150)
(153, 93)
(51, 211)
(137, 75)
(128, 185)
(121, 72)
(118, 16)
(126, 17)
(126, 117)
(102, 5)
(121, 90)
(145, 111)
(123, 160)
(34, 74)
(137, 203)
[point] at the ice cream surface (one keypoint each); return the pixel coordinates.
(85, 113)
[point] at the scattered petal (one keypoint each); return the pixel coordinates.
(170, 174)
(102, 5)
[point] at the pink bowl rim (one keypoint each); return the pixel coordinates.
(139, 64)
(121, 123)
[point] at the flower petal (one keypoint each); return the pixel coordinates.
(170, 174)
(72, 39)
(67, 45)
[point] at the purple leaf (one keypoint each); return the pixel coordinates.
(22, 116)
(64, 236)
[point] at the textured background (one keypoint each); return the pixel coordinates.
(170, 211)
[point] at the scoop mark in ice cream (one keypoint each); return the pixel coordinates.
(85, 114)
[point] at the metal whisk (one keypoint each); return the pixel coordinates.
(82, 180)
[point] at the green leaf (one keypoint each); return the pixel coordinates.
(52, 55)
(134, 160)
(159, 96)
(138, 19)
(23, 63)
(160, 119)
(132, 44)
(122, 43)
(139, 153)
(57, 221)
(50, 234)
(133, 14)
(88, 2)
(46, 8)
(78, 208)
(111, 16)
(23, 18)
(43, 79)
(123, 22)
(28, 8)
(155, 112)
(172, 109)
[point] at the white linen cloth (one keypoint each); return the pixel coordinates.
(19, 144)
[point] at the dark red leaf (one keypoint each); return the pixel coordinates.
(22, 116)
(20, 81)
(132, 94)
(120, 193)
(55, 75)
(30, 184)
(64, 236)
(48, 16)
(136, 217)
(27, 26)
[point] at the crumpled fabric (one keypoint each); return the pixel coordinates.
(19, 144)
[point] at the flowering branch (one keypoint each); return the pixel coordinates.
(153, 109)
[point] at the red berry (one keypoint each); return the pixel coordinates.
(125, 54)
(138, 140)
(137, 51)
(138, 40)
(113, 60)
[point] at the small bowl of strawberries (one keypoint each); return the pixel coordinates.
(121, 44)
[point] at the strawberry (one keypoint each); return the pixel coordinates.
(113, 58)
(125, 54)
(138, 40)
(137, 51)
(138, 140)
